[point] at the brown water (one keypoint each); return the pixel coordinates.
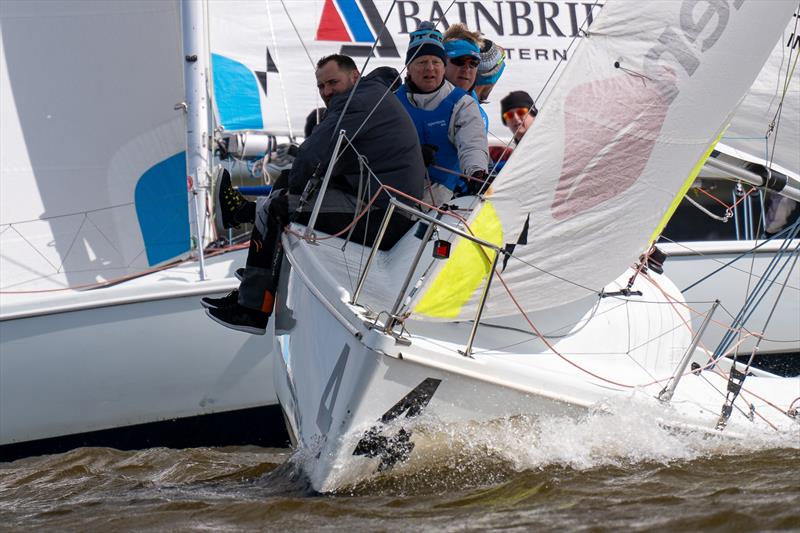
(596, 474)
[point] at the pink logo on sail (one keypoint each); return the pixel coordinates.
(611, 127)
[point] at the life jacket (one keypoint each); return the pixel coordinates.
(432, 127)
(480, 108)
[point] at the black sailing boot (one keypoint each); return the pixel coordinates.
(229, 201)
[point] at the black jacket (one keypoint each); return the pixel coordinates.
(387, 140)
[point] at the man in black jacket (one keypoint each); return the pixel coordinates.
(383, 135)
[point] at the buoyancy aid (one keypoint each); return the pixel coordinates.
(433, 127)
(484, 116)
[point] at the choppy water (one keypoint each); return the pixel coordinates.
(601, 473)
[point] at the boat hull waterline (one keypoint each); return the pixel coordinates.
(106, 367)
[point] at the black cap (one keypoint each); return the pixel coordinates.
(516, 99)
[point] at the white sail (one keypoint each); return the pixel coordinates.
(92, 147)
(581, 197)
(276, 94)
(766, 126)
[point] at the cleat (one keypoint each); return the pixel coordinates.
(225, 301)
(240, 318)
(229, 200)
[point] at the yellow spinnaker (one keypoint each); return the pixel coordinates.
(465, 270)
(688, 183)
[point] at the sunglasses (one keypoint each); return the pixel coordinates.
(518, 112)
(465, 60)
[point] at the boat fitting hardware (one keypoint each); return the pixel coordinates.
(669, 389)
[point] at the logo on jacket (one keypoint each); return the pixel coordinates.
(344, 21)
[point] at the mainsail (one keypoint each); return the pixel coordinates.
(635, 113)
(92, 146)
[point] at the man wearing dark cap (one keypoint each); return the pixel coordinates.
(518, 113)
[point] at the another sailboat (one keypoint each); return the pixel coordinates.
(538, 309)
(102, 340)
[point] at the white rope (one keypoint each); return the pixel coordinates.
(280, 70)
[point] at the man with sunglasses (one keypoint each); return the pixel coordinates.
(518, 113)
(446, 117)
(463, 59)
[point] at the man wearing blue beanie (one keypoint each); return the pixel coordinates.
(447, 119)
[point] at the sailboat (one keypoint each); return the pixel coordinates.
(102, 339)
(277, 43)
(549, 303)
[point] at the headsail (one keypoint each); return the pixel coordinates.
(93, 177)
(636, 109)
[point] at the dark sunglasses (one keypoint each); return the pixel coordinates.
(465, 60)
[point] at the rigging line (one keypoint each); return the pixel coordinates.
(335, 131)
(704, 210)
(71, 244)
(128, 277)
(672, 301)
(65, 215)
(701, 254)
(714, 361)
(753, 249)
(297, 32)
(723, 204)
(571, 43)
(775, 125)
(35, 249)
(759, 292)
(366, 62)
(774, 306)
(565, 280)
(280, 70)
(100, 231)
(550, 345)
(364, 66)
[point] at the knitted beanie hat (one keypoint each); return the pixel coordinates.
(493, 63)
(425, 41)
(517, 99)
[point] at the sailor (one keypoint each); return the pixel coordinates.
(447, 119)
(518, 112)
(463, 58)
(380, 134)
(473, 63)
(492, 66)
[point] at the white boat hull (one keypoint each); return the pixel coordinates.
(123, 357)
(350, 393)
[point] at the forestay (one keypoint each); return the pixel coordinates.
(635, 113)
(93, 170)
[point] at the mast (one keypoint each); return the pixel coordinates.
(195, 70)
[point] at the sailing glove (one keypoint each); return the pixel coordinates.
(429, 154)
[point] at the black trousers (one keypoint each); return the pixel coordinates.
(264, 257)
